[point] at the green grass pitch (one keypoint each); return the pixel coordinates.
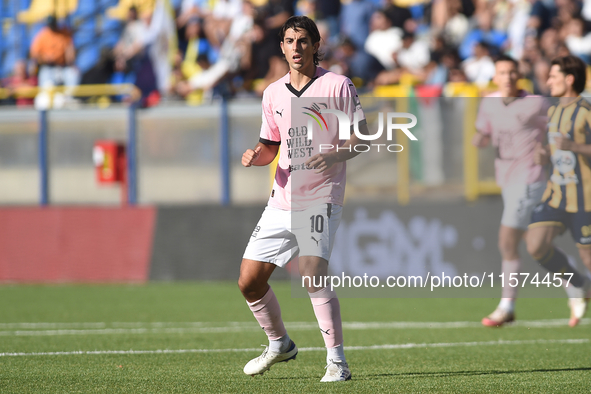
(158, 338)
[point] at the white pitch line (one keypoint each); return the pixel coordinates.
(134, 328)
(305, 349)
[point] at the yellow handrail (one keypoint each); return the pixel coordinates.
(400, 94)
(75, 91)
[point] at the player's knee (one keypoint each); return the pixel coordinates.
(250, 288)
(585, 255)
(508, 249)
(537, 248)
(244, 285)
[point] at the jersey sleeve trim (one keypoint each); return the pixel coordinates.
(269, 142)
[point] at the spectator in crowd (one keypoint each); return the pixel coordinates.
(412, 57)
(264, 62)
(484, 33)
(129, 52)
(328, 11)
(190, 9)
(384, 40)
(400, 17)
(479, 68)
(53, 50)
(449, 20)
(414, 54)
(132, 63)
(218, 22)
(362, 39)
(232, 51)
(196, 45)
(577, 40)
(540, 76)
(20, 79)
(442, 64)
(355, 21)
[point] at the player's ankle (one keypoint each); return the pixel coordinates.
(280, 345)
(507, 304)
(336, 354)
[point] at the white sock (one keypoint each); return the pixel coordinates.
(507, 304)
(280, 345)
(574, 292)
(336, 354)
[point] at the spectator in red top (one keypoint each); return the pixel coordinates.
(19, 80)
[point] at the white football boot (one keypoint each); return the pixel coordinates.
(336, 372)
(261, 364)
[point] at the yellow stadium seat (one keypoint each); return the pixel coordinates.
(461, 89)
(526, 85)
(120, 10)
(409, 79)
(523, 83)
(408, 3)
(41, 9)
(392, 91)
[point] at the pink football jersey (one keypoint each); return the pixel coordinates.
(515, 128)
(287, 116)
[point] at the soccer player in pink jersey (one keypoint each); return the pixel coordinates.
(308, 188)
(515, 122)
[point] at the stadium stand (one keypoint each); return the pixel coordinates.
(532, 32)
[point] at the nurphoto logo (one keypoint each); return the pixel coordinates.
(345, 129)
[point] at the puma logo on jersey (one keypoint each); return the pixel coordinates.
(280, 113)
(317, 240)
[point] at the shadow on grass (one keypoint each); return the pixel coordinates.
(471, 373)
(440, 374)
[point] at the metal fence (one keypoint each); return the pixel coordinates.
(182, 155)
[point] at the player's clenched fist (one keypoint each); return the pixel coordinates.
(480, 140)
(250, 156)
(541, 154)
(563, 143)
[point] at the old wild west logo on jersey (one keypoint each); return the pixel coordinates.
(569, 187)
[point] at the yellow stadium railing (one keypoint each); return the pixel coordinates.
(74, 91)
(400, 94)
(273, 169)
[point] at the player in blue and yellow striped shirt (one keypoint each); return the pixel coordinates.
(566, 203)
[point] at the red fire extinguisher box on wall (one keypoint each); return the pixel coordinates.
(109, 161)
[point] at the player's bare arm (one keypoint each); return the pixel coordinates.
(261, 155)
(542, 154)
(323, 161)
(564, 143)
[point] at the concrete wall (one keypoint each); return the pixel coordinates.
(206, 242)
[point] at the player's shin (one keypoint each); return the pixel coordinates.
(268, 314)
(328, 313)
(555, 260)
(509, 293)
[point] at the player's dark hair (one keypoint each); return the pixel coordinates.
(572, 65)
(507, 58)
(303, 22)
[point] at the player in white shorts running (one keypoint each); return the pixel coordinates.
(304, 209)
(516, 122)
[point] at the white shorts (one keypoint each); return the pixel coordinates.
(519, 201)
(280, 235)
